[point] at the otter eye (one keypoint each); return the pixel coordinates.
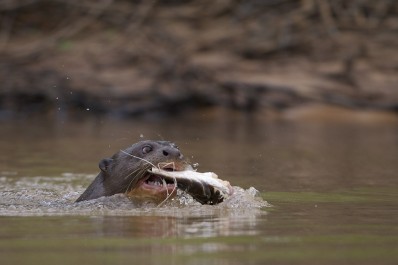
(146, 149)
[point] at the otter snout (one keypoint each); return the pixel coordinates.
(171, 152)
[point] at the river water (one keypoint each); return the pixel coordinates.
(308, 193)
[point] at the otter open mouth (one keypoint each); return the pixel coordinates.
(153, 181)
(160, 184)
(161, 181)
(157, 187)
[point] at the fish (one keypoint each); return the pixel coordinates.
(204, 187)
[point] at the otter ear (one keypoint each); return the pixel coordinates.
(104, 164)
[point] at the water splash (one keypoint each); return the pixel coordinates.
(39, 196)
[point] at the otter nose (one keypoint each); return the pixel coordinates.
(171, 152)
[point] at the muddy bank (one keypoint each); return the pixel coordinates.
(127, 59)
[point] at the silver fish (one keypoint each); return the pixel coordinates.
(205, 187)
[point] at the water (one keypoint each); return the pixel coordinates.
(39, 196)
(332, 186)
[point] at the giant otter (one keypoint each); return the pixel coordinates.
(128, 172)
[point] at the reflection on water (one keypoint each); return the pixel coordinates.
(332, 186)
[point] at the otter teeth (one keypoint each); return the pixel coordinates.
(155, 183)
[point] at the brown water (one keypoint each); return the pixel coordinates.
(333, 187)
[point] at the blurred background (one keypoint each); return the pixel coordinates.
(311, 59)
(296, 98)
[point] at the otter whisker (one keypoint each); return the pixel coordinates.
(137, 172)
(168, 195)
(165, 186)
(134, 171)
(140, 158)
(140, 174)
(165, 164)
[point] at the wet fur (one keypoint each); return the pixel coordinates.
(121, 172)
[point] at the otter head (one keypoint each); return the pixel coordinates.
(127, 172)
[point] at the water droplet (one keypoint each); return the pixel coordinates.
(88, 109)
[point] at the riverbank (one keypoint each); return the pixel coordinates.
(166, 59)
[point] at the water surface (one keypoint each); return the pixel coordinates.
(332, 186)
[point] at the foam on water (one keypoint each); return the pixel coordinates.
(39, 196)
